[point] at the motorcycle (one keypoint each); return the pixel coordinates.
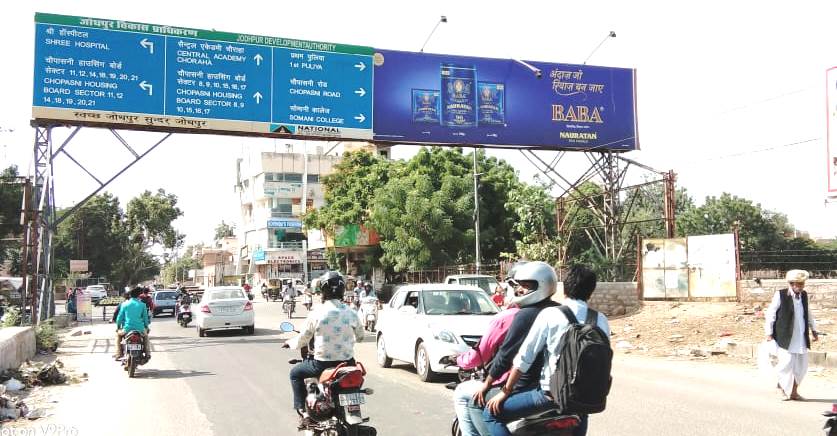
(548, 422)
(369, 313)
(334, 400)
(184, 314)
(307, 301)
(289, 306)
(133, 352)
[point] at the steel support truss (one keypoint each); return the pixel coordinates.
(615, 232)
(41, 221)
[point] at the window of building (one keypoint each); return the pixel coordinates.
(268, 177)
(293, 177)
(313, 178)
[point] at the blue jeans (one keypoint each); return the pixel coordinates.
(470, 416)
(308, 368)
(522, 404)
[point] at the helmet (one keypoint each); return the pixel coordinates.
(514, 268)
(332, 285)
(318, 404)
(545, 283)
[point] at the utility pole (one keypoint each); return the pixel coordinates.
(476, 212)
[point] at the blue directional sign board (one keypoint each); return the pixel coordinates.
(99, 71)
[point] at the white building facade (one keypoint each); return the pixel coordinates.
(273, 187)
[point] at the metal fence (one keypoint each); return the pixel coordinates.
(821, 264)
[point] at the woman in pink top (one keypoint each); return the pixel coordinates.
(481, 355)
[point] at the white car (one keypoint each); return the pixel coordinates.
(423, 323)
(224, 307)
(96, 292)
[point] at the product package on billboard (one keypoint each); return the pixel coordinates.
(459, 99)
(426, 106)
(491, 97)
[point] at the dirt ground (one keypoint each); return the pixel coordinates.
(699, 331)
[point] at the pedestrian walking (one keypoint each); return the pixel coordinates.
(789, 322)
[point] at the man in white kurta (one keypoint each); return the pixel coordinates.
(786, 316)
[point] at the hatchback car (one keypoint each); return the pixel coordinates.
(224, 307)
(423, 323)
(164, 301)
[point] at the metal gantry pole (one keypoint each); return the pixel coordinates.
(476, 213)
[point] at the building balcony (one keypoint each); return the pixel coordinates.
(285, 245)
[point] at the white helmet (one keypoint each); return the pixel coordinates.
(540, 273)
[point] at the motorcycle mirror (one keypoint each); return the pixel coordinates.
(286, 327)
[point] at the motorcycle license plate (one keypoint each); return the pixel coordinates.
(353, 399)
(134, 347)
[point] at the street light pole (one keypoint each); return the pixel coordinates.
(476, 212)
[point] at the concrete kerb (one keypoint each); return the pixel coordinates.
(826, 359)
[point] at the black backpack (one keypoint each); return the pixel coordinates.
(581, 380)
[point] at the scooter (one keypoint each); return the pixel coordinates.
(133, 352)
(548, 422)
(369, 313)
(334, 400)
(184, 314)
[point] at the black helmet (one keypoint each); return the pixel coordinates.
(332, 286)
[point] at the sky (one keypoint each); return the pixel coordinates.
(730, 95)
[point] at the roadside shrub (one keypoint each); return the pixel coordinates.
(11, 318)
(46, 337)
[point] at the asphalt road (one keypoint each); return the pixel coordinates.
(233, 384)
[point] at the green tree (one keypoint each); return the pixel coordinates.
(535, 223)
(93, 232)
(224, 230)
(177, 268)
(11, 196)
(350, 190)
(758, 229)
(425, 213)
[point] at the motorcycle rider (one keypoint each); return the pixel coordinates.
(133, 316)
(334, 328)
(534, 284)
(183, 299)
(543, 340)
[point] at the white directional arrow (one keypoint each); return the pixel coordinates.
(360, 118)
(145, 43)
(360, 66)
(258, 58)
(258, 96)
(361, 92)
(147, 87)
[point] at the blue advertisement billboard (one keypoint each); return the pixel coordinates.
(440, 99)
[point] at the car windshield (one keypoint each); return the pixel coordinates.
(487, 284)
(227, 293)
(457, 302)
(165, 296)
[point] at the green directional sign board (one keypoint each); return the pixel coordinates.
(91, 71)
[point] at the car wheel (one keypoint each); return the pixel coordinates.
(384, 361)
(201, 332)
(250, 330)
(423, 369)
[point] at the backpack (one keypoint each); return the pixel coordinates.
(581, 380)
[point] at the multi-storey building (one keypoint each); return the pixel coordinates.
(273, 187)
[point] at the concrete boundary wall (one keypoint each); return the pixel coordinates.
(612, 298)
(17, 344)
(822, 294)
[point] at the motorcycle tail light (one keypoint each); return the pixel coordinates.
(248, 306)
(205, 309)
(134, 339)
(562, 423)
(353, 379)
